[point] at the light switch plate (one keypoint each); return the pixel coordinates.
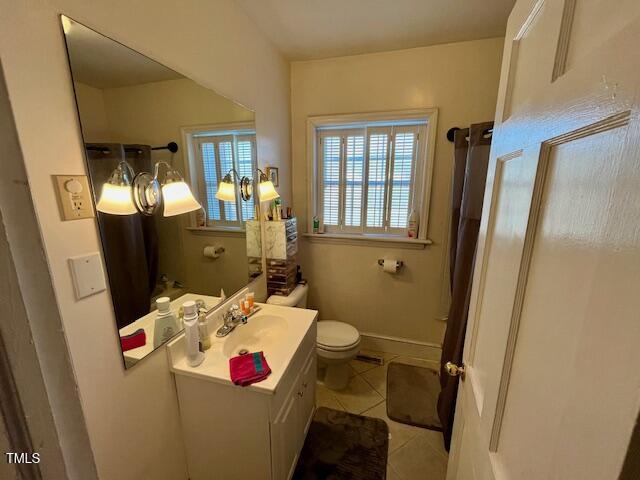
(88, 275)
(74, 196)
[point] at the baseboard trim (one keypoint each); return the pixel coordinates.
(400, 346)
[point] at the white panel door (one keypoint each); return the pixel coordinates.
(551, 388)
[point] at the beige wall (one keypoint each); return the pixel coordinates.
(461, 80)
(95, 125)
(31, 327)
(153, 113)
(131, 415)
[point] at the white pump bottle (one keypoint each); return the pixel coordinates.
(192, 336)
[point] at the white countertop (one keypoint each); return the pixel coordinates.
(279, 350)
(147, 324)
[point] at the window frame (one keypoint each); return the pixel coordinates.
(192, 138)
(317, 126)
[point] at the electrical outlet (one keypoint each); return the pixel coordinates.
(74, 197)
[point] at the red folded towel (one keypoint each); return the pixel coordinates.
(249, 368)
(133, 340)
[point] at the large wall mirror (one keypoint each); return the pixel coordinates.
(157, 146)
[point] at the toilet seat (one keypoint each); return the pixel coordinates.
(336, 336)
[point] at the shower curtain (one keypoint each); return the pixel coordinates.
(139, 157)
(471, 158)
(130, 242)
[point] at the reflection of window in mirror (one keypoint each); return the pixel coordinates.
(214, 150)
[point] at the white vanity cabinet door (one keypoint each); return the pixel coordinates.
(289, 429)
(307, 393)
(286, 432)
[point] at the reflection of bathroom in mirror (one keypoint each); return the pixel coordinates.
(145, 128)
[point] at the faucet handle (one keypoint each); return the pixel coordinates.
(230, 314)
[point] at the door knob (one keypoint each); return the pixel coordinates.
(454, 370)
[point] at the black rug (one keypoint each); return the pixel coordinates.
(412, 395)
(343, 446)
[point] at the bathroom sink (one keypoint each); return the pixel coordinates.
(277, 331)
(261, 332)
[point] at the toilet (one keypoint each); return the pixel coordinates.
(337, 343)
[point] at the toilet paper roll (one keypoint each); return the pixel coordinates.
(212, 251)
(390, 266)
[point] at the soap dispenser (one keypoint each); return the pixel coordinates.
(166, 324)
(205, 340)
(194, 356)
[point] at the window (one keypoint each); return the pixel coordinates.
(213, 154)
(370, 175)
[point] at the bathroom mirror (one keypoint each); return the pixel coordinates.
(157, 144)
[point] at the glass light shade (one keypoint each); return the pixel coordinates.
(116, 200)
(178, 199)
(267, 191)
(226, 191)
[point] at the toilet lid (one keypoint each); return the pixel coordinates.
(332, 334)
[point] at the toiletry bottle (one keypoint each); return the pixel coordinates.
(200, 218)
(413, 221)
(192, 334)
(203, 329)
(166, 324)
(243, 307)
(251, 298)
(316, 224)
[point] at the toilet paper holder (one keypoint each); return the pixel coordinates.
(399, 263)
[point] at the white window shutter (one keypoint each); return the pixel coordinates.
(211, 180)
(402, 174)
(367, 177)
(225, 158)
(353, 180)
(246, 166)
(378, 164)
(219, 153)
(331, 156)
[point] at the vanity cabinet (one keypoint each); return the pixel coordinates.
(291, 424)
(233, 432)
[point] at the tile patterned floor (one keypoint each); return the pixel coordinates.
(414, 453)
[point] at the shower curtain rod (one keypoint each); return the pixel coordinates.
(452, 131)
(171, 146)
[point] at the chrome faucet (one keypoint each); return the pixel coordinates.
(231, 319)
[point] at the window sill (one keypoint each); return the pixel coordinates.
(368, 240)
(218, 231)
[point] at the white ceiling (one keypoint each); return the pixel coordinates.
(100, 62)
(306, 29)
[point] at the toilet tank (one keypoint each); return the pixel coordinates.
(297, 298)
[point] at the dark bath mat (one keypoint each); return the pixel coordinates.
(412, 395)
(343, 446)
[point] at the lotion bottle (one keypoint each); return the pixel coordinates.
(413, 223)
(205, 340)
(166, 324)
(192, 335)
